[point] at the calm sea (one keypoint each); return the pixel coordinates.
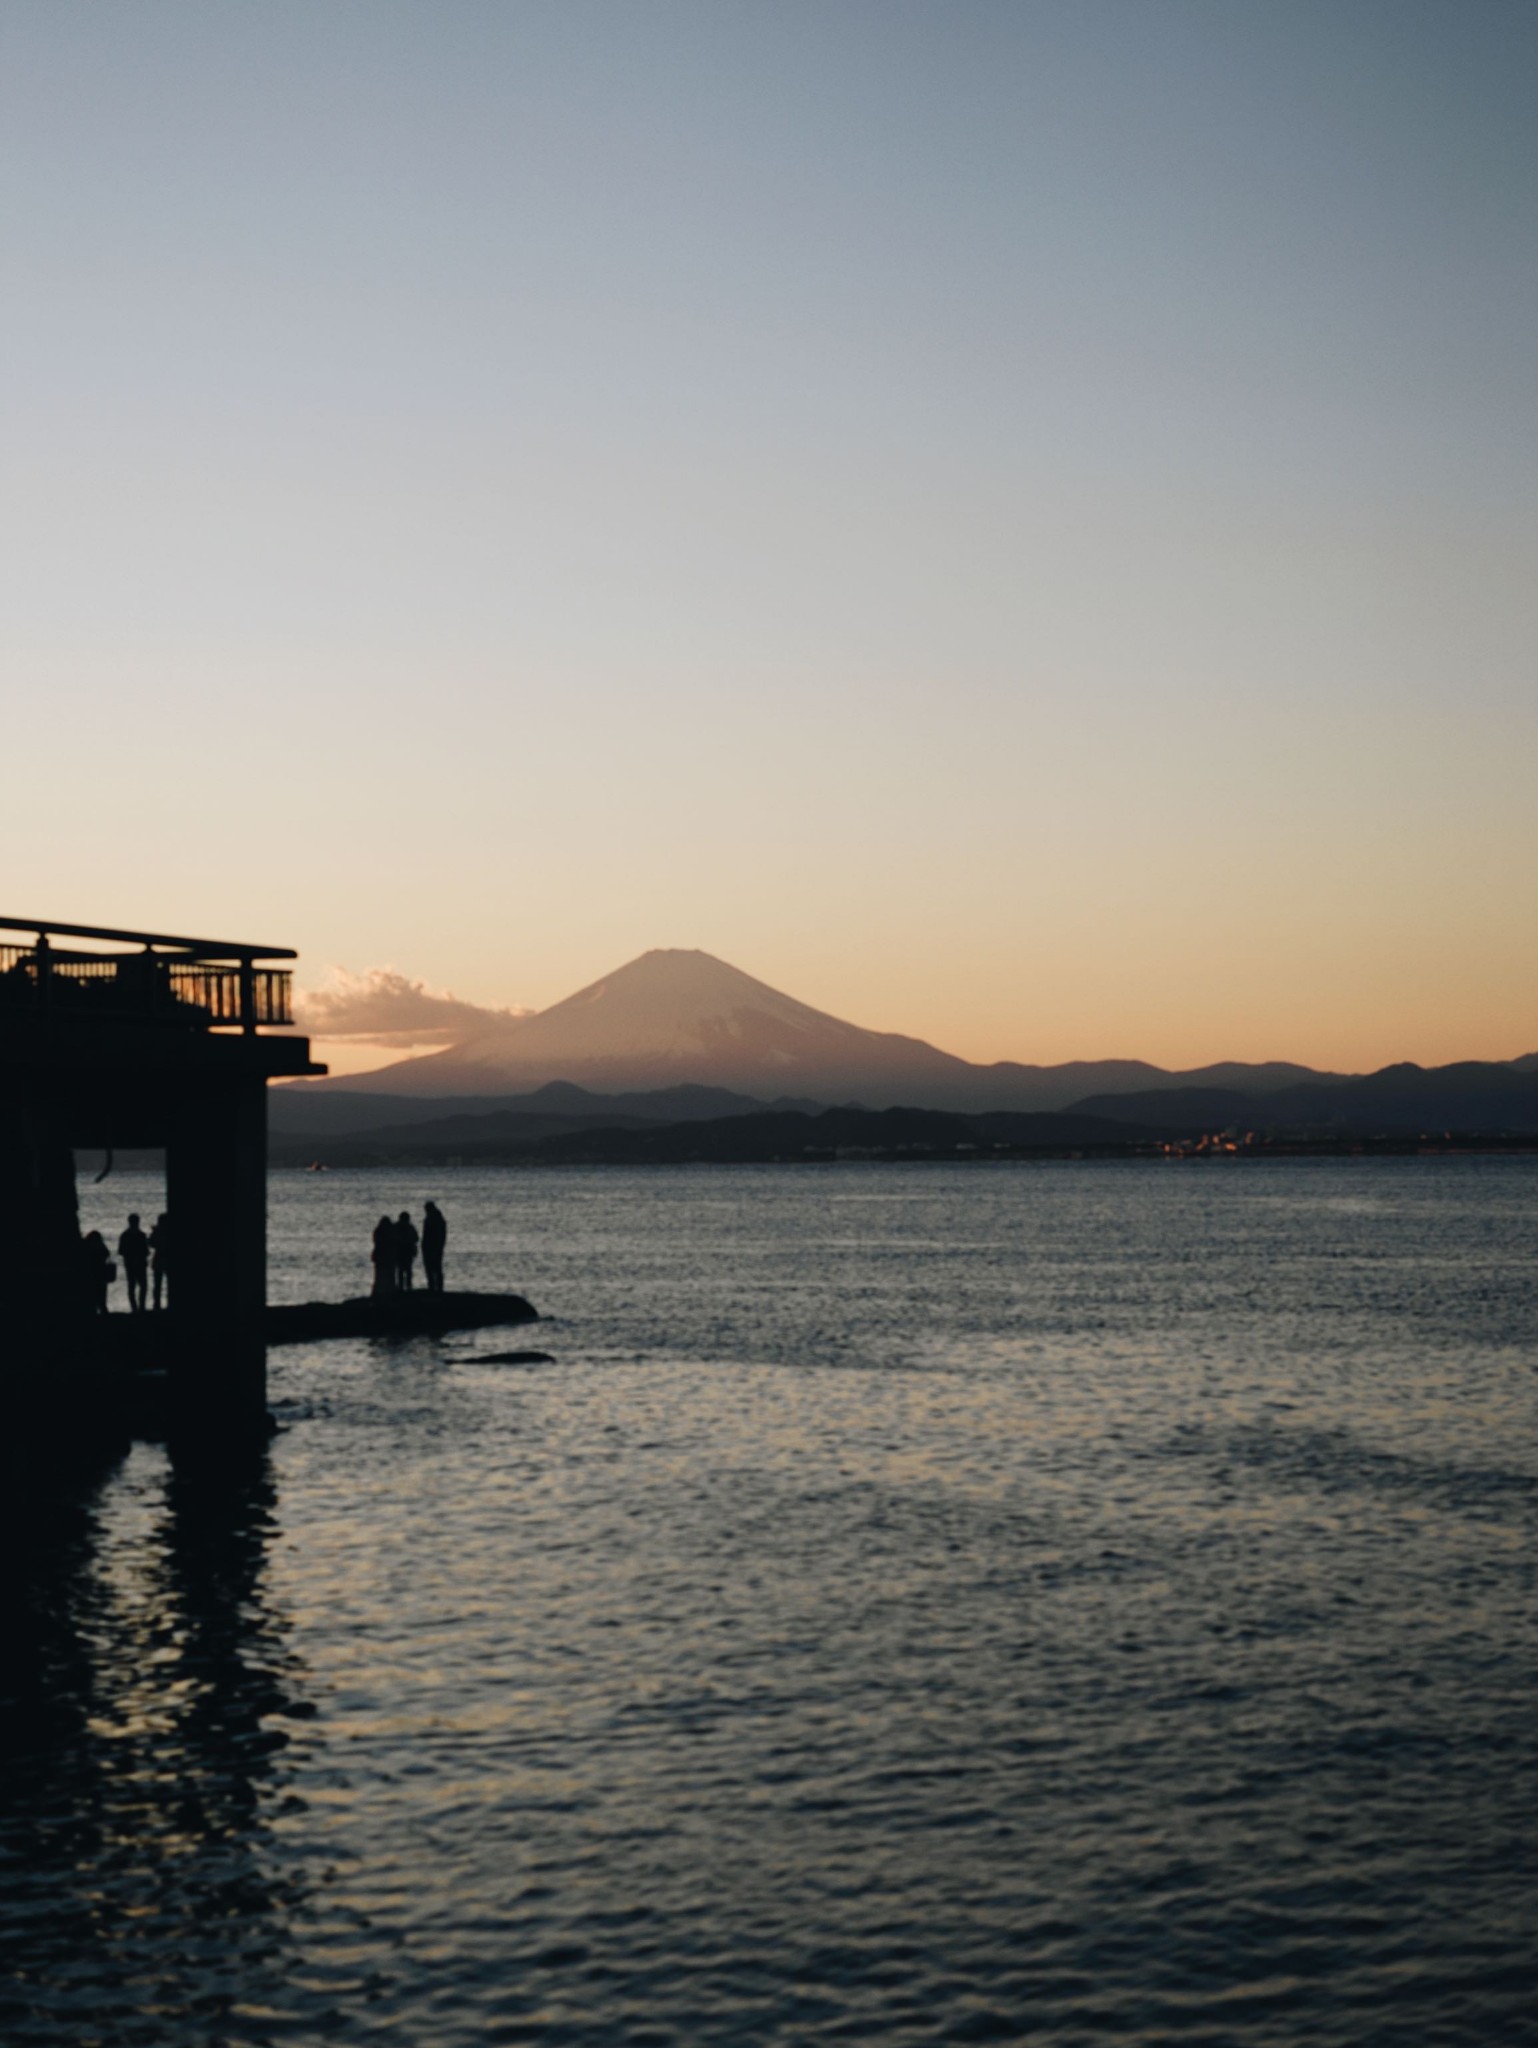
(1074, 1603)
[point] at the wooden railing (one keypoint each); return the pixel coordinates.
(201, 983)
(232, 994)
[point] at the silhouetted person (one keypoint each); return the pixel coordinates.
(434, 1236)
(142, 980)
(406, 1242)
(134, 1250)
(384, 1256)
(97, 1271)
(160, 1245)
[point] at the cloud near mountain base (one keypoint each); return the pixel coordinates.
(384, 1008)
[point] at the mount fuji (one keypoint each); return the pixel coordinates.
(673, 1017)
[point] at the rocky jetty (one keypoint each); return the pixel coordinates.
(395, 1315)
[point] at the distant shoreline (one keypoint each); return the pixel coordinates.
(1457, 1145)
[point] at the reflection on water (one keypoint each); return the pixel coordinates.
(1080, 1605)
(142, 1727)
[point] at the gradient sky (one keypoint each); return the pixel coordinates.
(1011, 522)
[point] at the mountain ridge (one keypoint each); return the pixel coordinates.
(1470, 1095)
(676, 1016)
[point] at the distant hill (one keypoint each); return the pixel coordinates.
(781, 1134)
(792, 1135)
(1471, 1095)
(671, 1018)
(561, 1124)
(298, 1113)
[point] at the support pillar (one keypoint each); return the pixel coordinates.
(216, 1198)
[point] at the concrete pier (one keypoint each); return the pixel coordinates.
(139, 1040)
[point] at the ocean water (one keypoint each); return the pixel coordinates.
(1069, 1604)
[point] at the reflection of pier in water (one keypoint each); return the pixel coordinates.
(147, 1696)
(119, 1040)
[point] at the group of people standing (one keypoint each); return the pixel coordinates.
(396, 1242)
(145, 1257)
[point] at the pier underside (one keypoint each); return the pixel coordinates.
(113, 1052)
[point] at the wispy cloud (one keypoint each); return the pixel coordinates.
(383, 1007)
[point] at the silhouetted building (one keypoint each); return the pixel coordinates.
(140, 1040)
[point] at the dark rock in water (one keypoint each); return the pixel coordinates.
(395, 1315)
(506, 1358)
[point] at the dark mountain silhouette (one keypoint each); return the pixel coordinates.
(561, 1124)
(779, 1134)
(511, 1130)
(674, 1017)
(468, 1140)
(1471, 1095)
(793, 1135)
(1176, 1111)
(306, 1112)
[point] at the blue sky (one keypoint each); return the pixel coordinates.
(1015, 523)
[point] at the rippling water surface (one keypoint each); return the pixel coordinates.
(1078, 1604)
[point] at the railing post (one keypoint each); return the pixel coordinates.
(247, 997)
(44, 958)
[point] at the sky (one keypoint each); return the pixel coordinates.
(1013, 523)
